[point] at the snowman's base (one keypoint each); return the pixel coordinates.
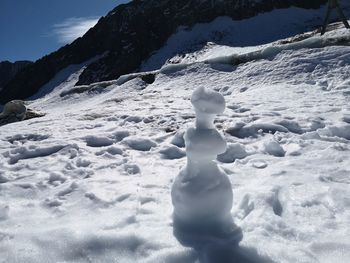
(198, 235)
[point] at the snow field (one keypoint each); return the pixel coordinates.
(91, 180)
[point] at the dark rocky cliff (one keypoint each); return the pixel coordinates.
(8, 70)
(129, 34)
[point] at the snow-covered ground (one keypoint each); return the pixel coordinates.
(91, 181)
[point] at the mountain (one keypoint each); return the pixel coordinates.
(8, 70)
(128, 35)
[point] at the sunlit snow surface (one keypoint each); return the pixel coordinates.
(90, 181)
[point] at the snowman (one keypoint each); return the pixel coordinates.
(202, 193)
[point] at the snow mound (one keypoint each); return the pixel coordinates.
(139, 144)
(274, 148)
(98, 141)
(234, 151)
(23, 153)
(172, 152)
(341, 131)
(178, 139)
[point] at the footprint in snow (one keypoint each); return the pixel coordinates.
(275, 202)
(244, 89)
(68, 190)
(23, 138)
(145, 200)
(291, 126)
(341, 177)
(346, 118)
(4, 212)
(238, 109)
(22, 153)
(56, 179)
(132, 119)
(293, 149)
(131, 169)
(111, 151)
(123, 197)
(52, 203)
(259, 164)
(340, 131)
(83, 163)
(4, 178)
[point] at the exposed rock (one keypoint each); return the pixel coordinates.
(149, 78)
(15, 111)
(129, 34)
(8, 70)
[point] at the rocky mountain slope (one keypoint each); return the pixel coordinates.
(8, 70)
(129, 34)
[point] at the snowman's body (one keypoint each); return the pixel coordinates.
(202, 193)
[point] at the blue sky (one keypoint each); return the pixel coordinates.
(30, 29)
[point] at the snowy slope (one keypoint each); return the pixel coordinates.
(90, 181)
(229, 36)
